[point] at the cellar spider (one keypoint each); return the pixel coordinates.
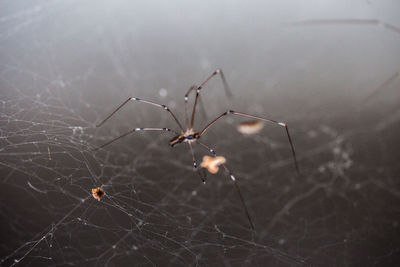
(190, 136)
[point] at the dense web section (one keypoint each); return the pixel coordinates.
(155, 208)
(343, 206)
(152, 212)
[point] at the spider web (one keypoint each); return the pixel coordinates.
(58, 78)
(155, 208)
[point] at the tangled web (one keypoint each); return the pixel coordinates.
(155, 210)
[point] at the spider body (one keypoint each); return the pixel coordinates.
(191, 137)
(188, 136)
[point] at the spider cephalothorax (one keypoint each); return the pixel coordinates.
(190, 136)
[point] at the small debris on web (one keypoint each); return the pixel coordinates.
(212, 163)
(97, 193)
(250, 127)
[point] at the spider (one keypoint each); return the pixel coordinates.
(191, 136)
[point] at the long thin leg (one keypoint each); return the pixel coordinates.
(143, 101)
(376, 22)
(192, 88)
(195, 164)
(212, 151)
(203, 109)
(132, 131)
(226, 87)
(258, 118)
(338, 21)
(383, 86)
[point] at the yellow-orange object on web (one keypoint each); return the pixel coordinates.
(97, 193)
(212, 163)
(250, 127)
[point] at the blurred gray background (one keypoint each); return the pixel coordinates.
(65, 65)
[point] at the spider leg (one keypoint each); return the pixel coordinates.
(192, 88)
(132, 131)
(203, 109)
(212, 151)
(195, 164)
(142, 101)
(226, 87)
(382, 86)
(338, 22)
(376, 22)
(229, 112)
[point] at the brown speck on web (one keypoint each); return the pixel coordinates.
(97, 193)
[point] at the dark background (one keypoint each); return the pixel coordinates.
(64, 65)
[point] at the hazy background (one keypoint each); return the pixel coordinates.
(65, 65)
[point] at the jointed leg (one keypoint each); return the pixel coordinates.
(226, 87)
(258, 118)
(212, 151)
(132, 131)
(338, 22)
(143, 101)
(383, 86)
(195, 164)
(192, 88)
(349, 22)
